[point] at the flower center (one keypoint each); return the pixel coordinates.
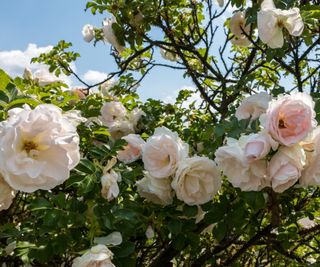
(280, 23)
(281, 124)
(28, 146)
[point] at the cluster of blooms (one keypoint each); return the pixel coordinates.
(169, 170)
(89, 33)
(286, 149)
(38, 148)
(271, 22)
(195, 180)
(118, 120)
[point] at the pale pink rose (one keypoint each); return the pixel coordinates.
(311, 173)
(162, 152)
(133, 150)
(253, 106)
(285, 167)
(258, 146)
(248, 176)
(289, 119)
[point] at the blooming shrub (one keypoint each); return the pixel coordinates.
(93, 176)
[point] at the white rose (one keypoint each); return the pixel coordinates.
(253, 106)
(120, 128)
(197, 180)
(157, 191)
(98, 255)
(311, 173)
(238, 25)
(27, 74)
(106, 86)
(271, 22)
(7, 194)
(162, 152)
(109, 35)
(248, 176)
(111, 112)
(44, 77)
(88, 33)
(109, 183)
(285, 167)
(38, 148)
(74, 116)
(133, 150)
(220, 2)
(243, 41)
(258, 146)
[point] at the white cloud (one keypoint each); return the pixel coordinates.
(15, 61)
(93, 76)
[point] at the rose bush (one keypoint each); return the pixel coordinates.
(225, 175)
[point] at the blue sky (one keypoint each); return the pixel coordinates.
(46, 22)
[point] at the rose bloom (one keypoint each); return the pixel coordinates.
(285, 167)
(111, 112)
(197, 180)
(38, 148)
(271, 22)
(107, 85)
(98, 255)
(238, 24)
(109, 183)
(44, 77)
(133, 150)
(289, 119)
(120, 128)
(248, 176)
(220, 2)
(109, 35)
(258, 146)
(162, 152)
(7, 194)
(242, 42)
(27, 74)
(88, 33)
(253, 106)
(311, 173)
(157, 191)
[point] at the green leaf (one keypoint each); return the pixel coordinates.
(179, 242)
(175, 226)
(86, 166)
(190, 211)
(125, 250)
